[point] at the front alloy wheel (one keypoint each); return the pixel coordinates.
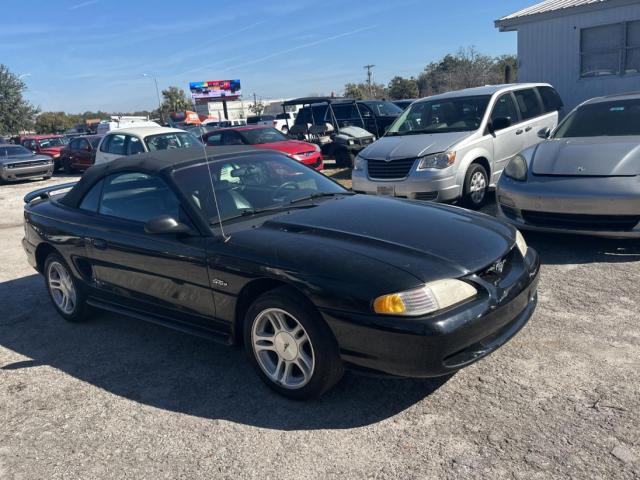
(282, 348)
(290, 346)
(476, 187)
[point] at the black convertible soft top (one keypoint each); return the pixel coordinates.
(152, 163)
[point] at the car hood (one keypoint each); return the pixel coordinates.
(592, 156)
(429, 241)
(411, 146)
(289, 146)
(27, 157)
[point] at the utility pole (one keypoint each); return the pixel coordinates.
(368, 68)
(155, 80)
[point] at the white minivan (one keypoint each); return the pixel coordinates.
(456, 145)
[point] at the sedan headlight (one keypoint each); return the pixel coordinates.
(437, 160)
(432, 297)
(521, 243)
(351, 142)
(517, 168)
(359, 163)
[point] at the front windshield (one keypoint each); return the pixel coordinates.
(256, 136)
(53, 142)
(244, 186)
(603, 119)
(166, 141)
(456, 114)
(384, 108)
(14, 150)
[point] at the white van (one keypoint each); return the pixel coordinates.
(456, 145)
(124, 122)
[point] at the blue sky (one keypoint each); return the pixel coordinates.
(91, 54)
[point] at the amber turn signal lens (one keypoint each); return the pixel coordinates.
(389, 304)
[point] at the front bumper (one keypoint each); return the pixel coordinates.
(602, 206)
(417, 185)
(23, 173)
(314, 161)
(437, 345)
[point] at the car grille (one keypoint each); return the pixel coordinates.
(499, 269)
(35, 163)
(395, 169)
(581, 221)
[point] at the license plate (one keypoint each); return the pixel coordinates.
(386, 190)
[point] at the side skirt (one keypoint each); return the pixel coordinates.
(165, 322)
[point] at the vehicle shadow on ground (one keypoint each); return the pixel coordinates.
(560, 249)
(173, 371)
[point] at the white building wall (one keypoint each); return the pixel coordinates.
(549, 51)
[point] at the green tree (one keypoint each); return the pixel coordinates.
(16, 114)
(464, 69)
(400, 88)
(55, 122)
(257, 108)
(362, 90)
(175, 100)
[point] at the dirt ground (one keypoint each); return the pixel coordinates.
(118, 398)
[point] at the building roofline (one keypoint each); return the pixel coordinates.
(510, 24)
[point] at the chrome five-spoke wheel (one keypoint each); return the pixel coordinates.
(63, 291)
(282, 348)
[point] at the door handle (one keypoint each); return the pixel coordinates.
(519, 132)
(528, 129)
(99, 244)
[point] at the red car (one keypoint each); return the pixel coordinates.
(266, 137)
(49, 145)
(80, 154)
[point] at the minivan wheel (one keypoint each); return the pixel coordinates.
(64, 291)
(290, 346)
(476, 187)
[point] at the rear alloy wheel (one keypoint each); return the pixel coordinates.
(288, 343)
(476, 187)
(63, 289)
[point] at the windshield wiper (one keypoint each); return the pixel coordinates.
(313, 196)
(247, 212)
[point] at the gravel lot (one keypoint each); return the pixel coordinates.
(117, 398)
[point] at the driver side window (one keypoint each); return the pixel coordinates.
(232, 138)
(505, 108)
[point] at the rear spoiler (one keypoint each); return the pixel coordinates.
(45, 192)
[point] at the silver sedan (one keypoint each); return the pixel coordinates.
(584, 178)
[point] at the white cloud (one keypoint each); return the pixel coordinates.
(83, 4)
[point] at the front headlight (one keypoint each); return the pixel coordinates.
(517, 168)
(316, 147)
(57, 155)
(521, 243)
(437, 160)
(351, 142)
(359, 163)
(432, 297)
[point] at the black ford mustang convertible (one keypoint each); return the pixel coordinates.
(251, 247)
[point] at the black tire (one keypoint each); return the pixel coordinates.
(327, 366)
(472, 198)
(81, 310)
(66, 166)
(56, 164)
(344, 158)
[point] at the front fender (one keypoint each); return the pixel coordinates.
(481, 151)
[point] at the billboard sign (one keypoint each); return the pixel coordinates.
(213, 90)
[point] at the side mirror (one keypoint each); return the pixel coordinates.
(165, 224)
(499, 123)
(544, 132)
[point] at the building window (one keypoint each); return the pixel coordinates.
(610, 49)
